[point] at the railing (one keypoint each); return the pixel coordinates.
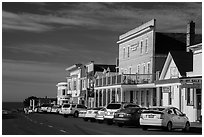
(128, 79)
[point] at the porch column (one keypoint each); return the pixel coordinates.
(116, 95)
(110, 95)
(139, 97)
(106, 97)
(94, 98)
(98, 98)
(121, 90)
(158, 95)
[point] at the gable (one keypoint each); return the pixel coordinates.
(172, 71)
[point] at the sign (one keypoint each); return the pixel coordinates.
(134, 47)
(191, 81)
(166, 89)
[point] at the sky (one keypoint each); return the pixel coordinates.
(40, 40)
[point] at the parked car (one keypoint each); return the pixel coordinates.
(164, 117)
(72, 109)
(46, 107)
(91, 114)
(100, 115)
(66, 110)
(76, 108)
(128, 116)
(82, 113)
(114, 107)
(55, 109)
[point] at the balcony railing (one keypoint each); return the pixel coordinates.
(126, 79)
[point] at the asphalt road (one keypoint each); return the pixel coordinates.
(53, 124)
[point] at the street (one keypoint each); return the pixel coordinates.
(53, 124)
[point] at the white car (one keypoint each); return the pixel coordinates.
(91, 114)
(72, 109)
(55, 109)
(114, 107)
(100, 115)
(164, 117)
(82, 113)
(66, 109)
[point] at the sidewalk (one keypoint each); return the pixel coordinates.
(196, 127)
(196, 124)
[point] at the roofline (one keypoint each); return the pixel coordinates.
(75, 66)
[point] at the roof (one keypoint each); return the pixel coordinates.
(101, 67)
(183, 61)
(166, 42)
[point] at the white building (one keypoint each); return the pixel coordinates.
(62, 96)
(74, 87)
(181, 82)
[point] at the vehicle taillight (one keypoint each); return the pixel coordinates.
(128, 115)
(162, 116)
(142, 116)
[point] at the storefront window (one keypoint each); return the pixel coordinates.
(190, 97)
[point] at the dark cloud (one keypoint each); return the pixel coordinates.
(41, 39)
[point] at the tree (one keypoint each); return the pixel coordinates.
(26, 102)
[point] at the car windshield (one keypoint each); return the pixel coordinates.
(159, 109)
(113, 106)
(130, 105)
(129, 110)
(66, 106)
(45, 105)
(96, 108)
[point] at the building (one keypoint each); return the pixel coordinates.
(92, 71)
(142, 54)
(74, 85)
(181, 81)
(62, 95)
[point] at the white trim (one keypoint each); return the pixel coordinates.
(131, 36)
(170, 84)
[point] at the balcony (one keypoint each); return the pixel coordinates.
(125, 79)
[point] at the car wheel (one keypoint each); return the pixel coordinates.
(169, 126)
(144, 127)
(76, 114)
(92, 120)
(109, 122)
(85, 119)
(100, 121)
(65, 115)
(120, 124)
(187, 127)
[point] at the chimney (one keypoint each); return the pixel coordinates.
(190, 35)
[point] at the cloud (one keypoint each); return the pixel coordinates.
(111, 16)
(34, 72)
(40, 49)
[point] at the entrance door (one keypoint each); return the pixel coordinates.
(198, 103)
(131, 96)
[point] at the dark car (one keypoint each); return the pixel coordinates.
(128, 116)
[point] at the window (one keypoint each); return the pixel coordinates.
(143, 68)
(141, 46)
(146, 44)
(74, 85)
(69, 85)
(190, 96)
(138, 68)
(173, 72)
(170, 99)
(63, 92)
(148, 68)
(178, 112)
(130, 70)
(128, 52)
(123, 52)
